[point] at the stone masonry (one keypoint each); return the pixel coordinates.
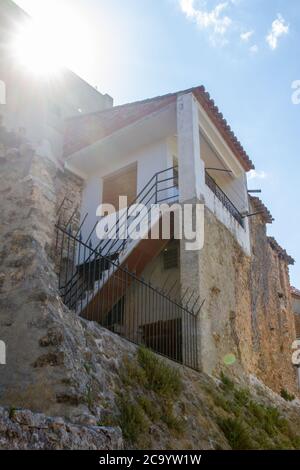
(24, 430)
(49, 349)
(247, 310)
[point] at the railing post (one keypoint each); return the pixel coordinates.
(156, 187)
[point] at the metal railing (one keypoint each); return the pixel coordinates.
(156, 191)
(161, 188)
(99, 289)
(219, 193)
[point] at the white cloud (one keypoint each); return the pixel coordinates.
(254, 49)
(279, 28)
(214, 20)
(260, 175)
(246, 36)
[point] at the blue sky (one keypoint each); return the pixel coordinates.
(245, 52)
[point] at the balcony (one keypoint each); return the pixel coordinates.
(219, 193)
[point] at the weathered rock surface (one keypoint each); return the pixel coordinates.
(24, 430)
(247, 310)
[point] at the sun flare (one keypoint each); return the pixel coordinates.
(44, 45)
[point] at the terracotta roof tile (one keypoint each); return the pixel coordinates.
(259, 206)
(83, 131)
(295, 292)
(280, 251)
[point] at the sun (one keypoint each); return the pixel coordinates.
(36, 50)
(47, 43)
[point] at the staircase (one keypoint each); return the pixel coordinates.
(95, 280)
(104, 283)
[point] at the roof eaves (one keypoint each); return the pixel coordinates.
(280, 251)
(204, 100)
(295, 292)
(225, 130)
(259, 207)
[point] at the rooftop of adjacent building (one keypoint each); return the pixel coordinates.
(295, 292)
(11, 17)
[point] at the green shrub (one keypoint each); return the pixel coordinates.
(242, 396)
(221, 402)
(286, 395)
(150, 408)
(227, 383)
(268, 418)
(295, 441)
(236, 433)
(161, 378)
(132, 374)
(132, 419)
(175, 423)
(12, 412)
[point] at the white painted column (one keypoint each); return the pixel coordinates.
(191, 167)
(191, 191)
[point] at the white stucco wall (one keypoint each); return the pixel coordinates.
(241, 234)
(150, 160)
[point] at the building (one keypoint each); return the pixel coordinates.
(39, 106)
(296, 309)
(226, 303)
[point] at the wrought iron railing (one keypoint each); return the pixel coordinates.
(99, 289)
(161, 188)
(219, 193)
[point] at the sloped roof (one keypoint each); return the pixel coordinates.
(295, 292)
(280, 251)
(85, 130)
(259, 206)
(82, 131)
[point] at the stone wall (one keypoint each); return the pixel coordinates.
(49, 348)
(68, 190)
(273, 327)
(247, 310)
(24, 430)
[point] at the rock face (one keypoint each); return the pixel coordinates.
(248, 309)
(48, 348)
(24, 430)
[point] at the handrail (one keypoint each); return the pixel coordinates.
(102, 245)
(219, 193)
(99, 256)
(125, 215)
(127, 304)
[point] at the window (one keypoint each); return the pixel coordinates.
(2, 92)
(170, 257)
